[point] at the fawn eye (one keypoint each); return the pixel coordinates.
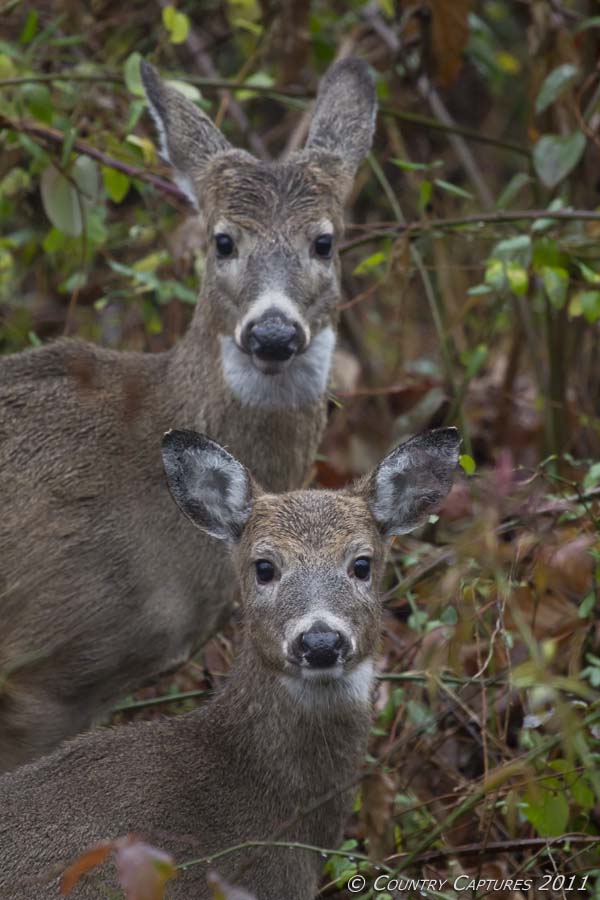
(224, 244)
(265, 571)
(323, 245)
(362, 567)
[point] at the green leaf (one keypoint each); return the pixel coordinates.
(260, 79)
(556, 283)
(176, 23)
(555, 156)
(117, 184)
(543, 224)
(425, 192)
(452, 189)
(65, 201)
(593, 22)
(29, 28)
(38, 101)
(467, 463)
(132, 75)
(587, 606)
(590, 276)
(547, 810)
(554, 84)
(514, 186)
(409, 166)
(592, 479)
(495, 274)
(590, 305)
(515, 249)
(188, 90)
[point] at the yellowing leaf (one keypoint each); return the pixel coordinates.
(176, 23)
(145, 145)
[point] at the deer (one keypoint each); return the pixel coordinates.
(101, 589)
(277, 752)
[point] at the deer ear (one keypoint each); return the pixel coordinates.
(412, 481)
(343, 120)
(188, 138)
(208, 484)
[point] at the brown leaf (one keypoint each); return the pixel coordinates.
(83, 864)
(450, 33)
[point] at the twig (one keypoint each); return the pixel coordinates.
(429, 93)
(499, 846)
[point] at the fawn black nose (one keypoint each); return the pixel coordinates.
(320, 647)
(273, 338)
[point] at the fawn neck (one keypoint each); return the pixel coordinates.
(197, 395)
(310, 742)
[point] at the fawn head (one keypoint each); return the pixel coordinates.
(272, 269)
(310, 562)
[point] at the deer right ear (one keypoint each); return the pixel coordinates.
(412, 481)
(188, 138)
(208, 484)
(343, 120)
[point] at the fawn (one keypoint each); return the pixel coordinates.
(101, 586)
(277, 752)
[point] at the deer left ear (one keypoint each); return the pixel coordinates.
(412, 481)
(208, 484)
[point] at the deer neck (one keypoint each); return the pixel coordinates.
(214, 388)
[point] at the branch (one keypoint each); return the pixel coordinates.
(57, 138)
(299, 95)
(500, 217)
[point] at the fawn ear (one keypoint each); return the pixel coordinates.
(188, 138)
(343, 120)
(208, 484)
(412, 481)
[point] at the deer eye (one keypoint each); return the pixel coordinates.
(265, 571)
(323, 245)
(225, 245)
(362, 567)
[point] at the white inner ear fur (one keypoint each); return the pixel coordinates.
(385, 505)
(182, 180)
(222, 505)
(301, 384)
(276, 299)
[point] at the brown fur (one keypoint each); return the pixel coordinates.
(276, 755)
(102, 587)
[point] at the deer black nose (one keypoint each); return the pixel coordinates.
(272, 338)
(320, 647)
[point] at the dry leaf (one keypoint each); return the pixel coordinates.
(450, 33)
(223, 891)
(84, 864)
(143, 870)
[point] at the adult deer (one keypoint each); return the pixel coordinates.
(277, 753)
(101, 587)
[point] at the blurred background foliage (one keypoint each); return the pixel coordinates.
(472, 296)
